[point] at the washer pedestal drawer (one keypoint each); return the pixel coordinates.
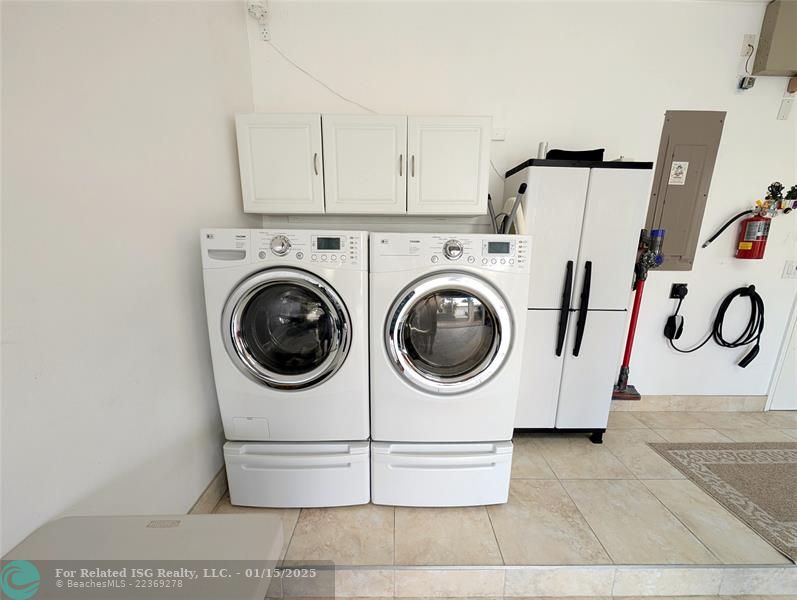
(468, 474)
(281, 475)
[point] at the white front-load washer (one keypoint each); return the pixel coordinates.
(288, 327)
(447, 320)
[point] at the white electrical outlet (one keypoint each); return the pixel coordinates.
(747, 41)
(790, 270)
(785, 109)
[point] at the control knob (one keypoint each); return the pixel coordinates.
(453, 249)
(280, 245)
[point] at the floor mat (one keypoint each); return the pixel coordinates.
(756, 482)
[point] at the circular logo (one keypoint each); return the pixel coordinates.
(20, 579)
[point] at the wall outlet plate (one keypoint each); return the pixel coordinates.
(678, 291)
(747, 41)
(785, 109)
(790, 270)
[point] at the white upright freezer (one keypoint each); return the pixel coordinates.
(585, 219)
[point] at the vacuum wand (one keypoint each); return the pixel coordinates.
(650, 257)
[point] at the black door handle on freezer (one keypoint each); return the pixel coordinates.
(564, 309)
(583, 307)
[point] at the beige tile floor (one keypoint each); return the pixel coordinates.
(571, 503)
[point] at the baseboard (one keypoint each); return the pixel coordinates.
(208, 499)
(693, 403)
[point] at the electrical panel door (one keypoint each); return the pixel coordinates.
(684, 167)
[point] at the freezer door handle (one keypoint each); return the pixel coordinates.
(583, 307)
(564, 309)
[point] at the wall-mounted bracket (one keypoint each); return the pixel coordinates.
(258, 10)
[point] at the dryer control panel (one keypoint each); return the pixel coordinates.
(330, 249)
(479, 251)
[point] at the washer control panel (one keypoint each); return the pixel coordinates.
(338, 249)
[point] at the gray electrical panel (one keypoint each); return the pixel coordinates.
(684, 167)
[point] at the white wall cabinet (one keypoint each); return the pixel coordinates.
(449, 158)
(367, 164)
(280, 157)
(365, 168)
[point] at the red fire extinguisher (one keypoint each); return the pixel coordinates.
(753, 233)
(754, 230)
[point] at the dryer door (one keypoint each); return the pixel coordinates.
(286, 329)
(449, 333)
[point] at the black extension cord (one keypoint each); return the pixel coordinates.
(752, 332)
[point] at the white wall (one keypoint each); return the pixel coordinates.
(579, 75)
(118, 146)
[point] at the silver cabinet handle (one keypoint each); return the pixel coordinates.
(412, 165)
(315, 163)
(401, 165)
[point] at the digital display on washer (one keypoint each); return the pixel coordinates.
(497, 247)
(328, 243)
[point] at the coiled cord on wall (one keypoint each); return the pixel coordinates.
(751, 333)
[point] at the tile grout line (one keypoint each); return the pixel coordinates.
(622, 462)
(723, 509)
(395, 573)
(694, 533)
(293, 531)
(583, 516)
(495, 535)
(685, 526)
(545, 460)
(394, 540)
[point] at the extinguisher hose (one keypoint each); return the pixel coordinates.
(724, 227)
(751, 333)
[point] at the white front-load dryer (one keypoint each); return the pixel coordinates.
(287, 321)
(447, 321)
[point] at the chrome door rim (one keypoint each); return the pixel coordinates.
(400, 310)
(246, 363)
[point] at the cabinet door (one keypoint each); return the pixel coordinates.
(614, 215)
(449, 161)
(585, 392)
(281, 163)
(554, 211)
(365, 164)
(542, 371)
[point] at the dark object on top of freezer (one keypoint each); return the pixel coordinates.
(591, 155)
(580, 164)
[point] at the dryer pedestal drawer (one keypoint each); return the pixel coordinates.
(297, 474)
(468, 474)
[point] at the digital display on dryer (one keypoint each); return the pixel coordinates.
(328, 243)
(498, 248)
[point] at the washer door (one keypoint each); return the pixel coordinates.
(448, 333)
(286, 329)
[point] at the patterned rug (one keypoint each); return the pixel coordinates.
(756, 482)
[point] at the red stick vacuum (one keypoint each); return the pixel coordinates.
(650, 257)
